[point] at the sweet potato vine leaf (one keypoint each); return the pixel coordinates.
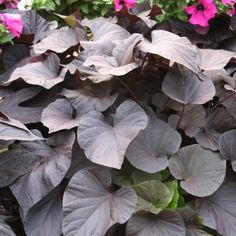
(219, 210)
(201, 171)
(182, 85)
(10, 104)
(172, 47)
(149, 151)
(56, 159)
(68, 38)
(106, 144)
(59, 115)
(89, 207)
(46, 73)
(14, 163)
(166, 223)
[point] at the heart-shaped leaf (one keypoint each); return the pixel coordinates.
(150, 149)
(227, 145)
(219, 210)
(11, 129)
(185, 87)
(59, 115)
(201, 171)
(105, 144)
(164, 224)
(56, 154)
(89, 207)
(38, 221)
(68, 38)
(172, 47)
(10, 101)
(45, 73)
(14, 163)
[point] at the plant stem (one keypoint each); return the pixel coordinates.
(130, 91)
(181, 116)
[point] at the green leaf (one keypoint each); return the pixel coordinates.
(139, 176)
(153, 196)
(173, 187)
(84, 8)
(129, 175)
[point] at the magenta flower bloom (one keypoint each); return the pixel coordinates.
(202, 12)
(128, 3)
(10, 3)
(13, 23)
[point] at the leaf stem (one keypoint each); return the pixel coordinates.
(181, 116)
(130, 91)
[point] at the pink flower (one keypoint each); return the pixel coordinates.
(128, 3)
(232, 11)
(13, 23)
(202, 12)
(228, 2)
(10, 3)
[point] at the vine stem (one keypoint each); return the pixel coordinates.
(181, 116)
(130, 91)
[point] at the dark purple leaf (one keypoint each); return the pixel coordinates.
(59, 115)
(86, 72)
(227, 145)
(67, 36)
(105, 144)
(11, 129)
(219, 210)
(89, 207)
(164, 224)
(46, 73)
(91, 97)
(208, 139)
(32, 187)
(121, 62)
(104, 34)
(14, 163)
(185, 87)
(201, 171)
(13, 54)
(45, 218)
(149, 151)
(172, 47)
(10, 104)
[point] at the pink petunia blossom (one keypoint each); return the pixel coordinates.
(202, 12)
(232, 11)
(12, 22)
(128, 3)
(10, 3)
(228, 2)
